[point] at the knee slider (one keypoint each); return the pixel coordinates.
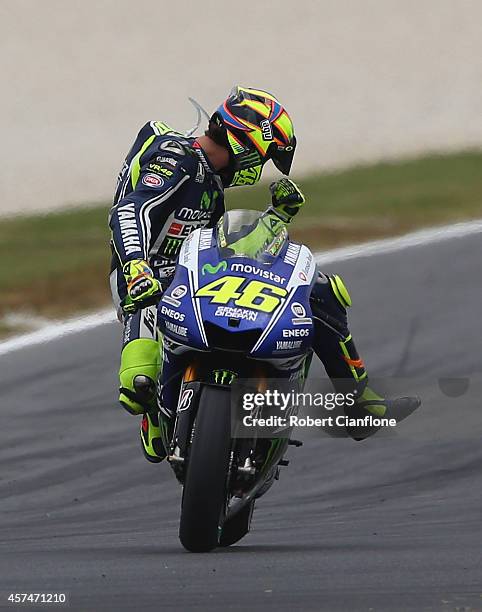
(140, 357)
(339, 289)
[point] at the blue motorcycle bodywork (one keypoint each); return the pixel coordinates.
(211, 295)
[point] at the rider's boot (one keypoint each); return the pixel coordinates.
(378, 406)
(139, 369)
(370, 403)
(155, 427)
(335, 347)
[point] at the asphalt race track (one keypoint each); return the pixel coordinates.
(392, 523)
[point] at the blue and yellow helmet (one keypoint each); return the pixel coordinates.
(256, 128)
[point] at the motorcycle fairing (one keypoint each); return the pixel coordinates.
(285, 284)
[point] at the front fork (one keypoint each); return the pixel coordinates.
(178, 438)
(255, 458)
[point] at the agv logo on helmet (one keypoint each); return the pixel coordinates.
(266, 129)
(257, 129)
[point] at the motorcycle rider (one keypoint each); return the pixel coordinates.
(170, 185)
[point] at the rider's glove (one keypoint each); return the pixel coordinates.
(286, 198)
(142, 286)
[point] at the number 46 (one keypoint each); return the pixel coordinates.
(257, 295)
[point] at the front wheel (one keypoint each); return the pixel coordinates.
(238, 526)
(205, 489)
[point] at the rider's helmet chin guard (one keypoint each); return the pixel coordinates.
(255, 128)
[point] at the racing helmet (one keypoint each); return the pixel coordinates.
(255, 128)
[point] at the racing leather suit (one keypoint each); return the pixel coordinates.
(166, 189)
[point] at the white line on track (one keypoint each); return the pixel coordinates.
(58, 330)
(367, 249)
(408, 241)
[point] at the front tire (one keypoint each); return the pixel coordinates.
(238, 526)
(205, 489)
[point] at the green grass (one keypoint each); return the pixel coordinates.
(57, 264)
(384, 199)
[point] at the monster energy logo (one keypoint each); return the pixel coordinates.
(249, 160)
(209, 269)
(224, 377)
(172, 246)
(205, 201)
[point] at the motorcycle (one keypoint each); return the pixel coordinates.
(236, 309)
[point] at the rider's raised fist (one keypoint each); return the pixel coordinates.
(286, 198)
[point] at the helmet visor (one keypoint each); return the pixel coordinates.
(282, 156)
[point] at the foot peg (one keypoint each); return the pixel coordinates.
(296, 443)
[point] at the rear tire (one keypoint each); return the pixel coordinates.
(237, 527)
(205, 488)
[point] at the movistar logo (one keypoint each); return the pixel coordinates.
(209, 269)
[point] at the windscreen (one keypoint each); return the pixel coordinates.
(250, 233)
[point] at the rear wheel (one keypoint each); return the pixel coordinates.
(205, 489)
